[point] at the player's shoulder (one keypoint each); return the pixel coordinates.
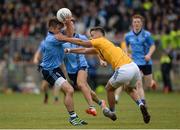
(129, 34)
(81, 36)
(101, 39)
(42, 42)
(146, 32)
(49, 36)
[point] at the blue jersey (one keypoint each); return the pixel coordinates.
(140, 44)
(74, 61)
(52, 52)
(41, 46)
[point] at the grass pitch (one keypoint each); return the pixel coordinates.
(28, 111)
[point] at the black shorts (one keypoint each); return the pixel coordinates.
(145, 69)
(52, 75)
(73, 77)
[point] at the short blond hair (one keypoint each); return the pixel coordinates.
(138, 16)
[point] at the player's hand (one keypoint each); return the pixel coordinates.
(60, 36)
(68, 20)
(66, 50)
(147, 57)
(103, 63)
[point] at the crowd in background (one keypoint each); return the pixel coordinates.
(27, 19)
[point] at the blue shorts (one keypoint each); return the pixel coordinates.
(52, 75)
(145, 69)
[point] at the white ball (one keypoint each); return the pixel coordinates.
(63, 13)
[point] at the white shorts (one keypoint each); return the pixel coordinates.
(126, 75)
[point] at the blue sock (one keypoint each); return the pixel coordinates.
(99, 102)
(144, 101)
(112, 109)
(139, 102)
(72, 114)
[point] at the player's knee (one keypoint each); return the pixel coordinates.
(147, 84)
(109, 87)
(81, 85)
(70, 90)
(128, 89)
(139, 86)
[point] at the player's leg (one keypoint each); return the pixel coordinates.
(131, 89)
(145, 70)
(110, 96)
(135, 96)
(44, 88)
(94, 96)
(82, 85)
(149, 82)
(120, 77)
(68, 90)
(130, 76)
(140, 90)
(117, 93)
(110, 112)
(114, 82)
(97, 100)
(55, 79)
(148, 77)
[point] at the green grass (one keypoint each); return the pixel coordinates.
(28, 111)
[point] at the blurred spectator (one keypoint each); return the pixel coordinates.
(166, 67)
(29, 17)
(27, 53)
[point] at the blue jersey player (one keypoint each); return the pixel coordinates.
(52, 58)
(44, 83)
(142, 47)
(76, 66)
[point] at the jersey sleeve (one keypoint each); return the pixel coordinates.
(96, 42)
(123, 45)
(56, 41)
(126, 40)
(149, 39)
(83, 37)
(40, 48)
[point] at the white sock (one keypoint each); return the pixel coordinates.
(116, 97)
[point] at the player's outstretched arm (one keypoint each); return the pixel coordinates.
(77, 41)
(81, 50)
(37, 57)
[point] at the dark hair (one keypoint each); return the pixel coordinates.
(53, 22)
(138, 16)
(98, 29)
